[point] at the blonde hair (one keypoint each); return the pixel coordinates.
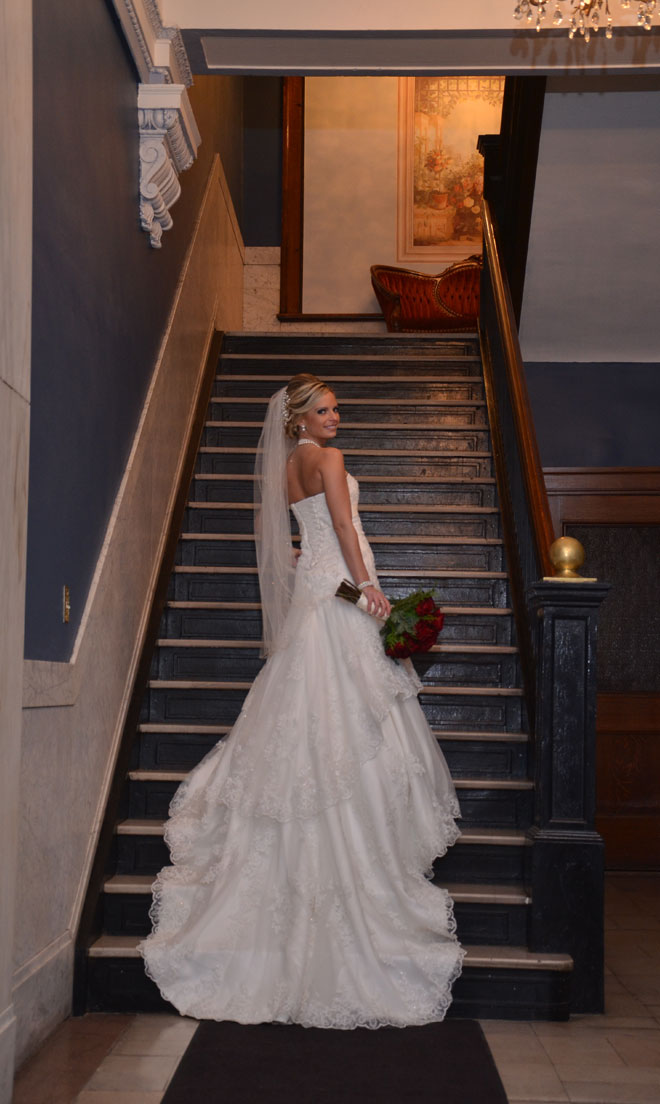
(302, 392)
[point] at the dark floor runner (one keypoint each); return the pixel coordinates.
(443, 1063)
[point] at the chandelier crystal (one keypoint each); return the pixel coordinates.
(585, 17)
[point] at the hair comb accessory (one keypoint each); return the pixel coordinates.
(286, 404)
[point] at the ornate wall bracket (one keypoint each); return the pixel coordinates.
(168, 133)
(168, 144)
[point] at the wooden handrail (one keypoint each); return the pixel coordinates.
(537, 497)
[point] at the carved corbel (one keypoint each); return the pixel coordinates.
(168, 133)
(168, 144)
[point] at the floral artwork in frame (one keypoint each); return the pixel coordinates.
(440, 172)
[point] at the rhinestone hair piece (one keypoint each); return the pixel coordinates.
(286, 405)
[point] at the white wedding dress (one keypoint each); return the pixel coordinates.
(301, 842)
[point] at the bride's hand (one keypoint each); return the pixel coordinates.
(378, 603)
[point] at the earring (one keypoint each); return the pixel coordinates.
(303, 427)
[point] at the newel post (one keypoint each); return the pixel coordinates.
(566, 857)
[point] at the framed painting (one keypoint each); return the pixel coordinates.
(440, 173)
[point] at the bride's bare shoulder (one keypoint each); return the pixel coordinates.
(332, 459)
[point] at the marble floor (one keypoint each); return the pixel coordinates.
(610, 1059)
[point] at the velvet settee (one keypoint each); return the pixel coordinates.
(413, 301)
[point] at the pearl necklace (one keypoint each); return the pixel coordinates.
(306, 441)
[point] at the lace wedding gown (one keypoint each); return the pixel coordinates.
(300, 843)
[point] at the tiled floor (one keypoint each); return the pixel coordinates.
(610, 1059)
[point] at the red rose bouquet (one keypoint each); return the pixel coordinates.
(412, 626)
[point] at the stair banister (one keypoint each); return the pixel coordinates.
(537, 498)
(556, 622)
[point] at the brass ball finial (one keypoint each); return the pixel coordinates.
(567, 554)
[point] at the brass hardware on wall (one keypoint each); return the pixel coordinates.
(66, 604)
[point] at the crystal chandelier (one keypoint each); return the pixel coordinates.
(585, 17)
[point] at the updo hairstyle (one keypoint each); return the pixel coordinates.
(302, 392)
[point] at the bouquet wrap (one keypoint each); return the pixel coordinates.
(412, 626)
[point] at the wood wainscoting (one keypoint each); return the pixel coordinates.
(615, 512)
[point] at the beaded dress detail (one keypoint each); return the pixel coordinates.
(301, 843)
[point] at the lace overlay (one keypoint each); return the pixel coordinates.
(300, 844)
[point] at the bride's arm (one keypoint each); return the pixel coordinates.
(333, 477)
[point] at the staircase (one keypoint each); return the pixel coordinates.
(415, 433)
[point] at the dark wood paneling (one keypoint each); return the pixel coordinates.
(520, 132)
(627, 779)
(616, 514)
(613, 496)
(293, 171)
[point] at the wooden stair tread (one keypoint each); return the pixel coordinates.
(365, 508)
(421, 453)
(477, 480)
(445, 649)
(445, 734)
(439, 540)
(423, 401)
(461, 892)
(206, 684)
(194, 729)
(240, 377)
(414, 354)
(142, 774)
(490, 837)
(398, 572)
(480, 957)
(427, 427)
(452, 611)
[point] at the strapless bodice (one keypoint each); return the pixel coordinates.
(321, 555)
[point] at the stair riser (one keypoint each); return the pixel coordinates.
(228, 463)
(473, 714)
(422, 413)
(470, 863)
(246, 625)
(410, 494)
(195, 706)
(121, 985)
(466, 759)
(460, 368)
(402, 349)
(462, 390)
(474, 863)
(438, 439)
(237, 587)
(200, 553)
(218, 519)
(485, 759)
(440, 669)
(504, 925)
(512, 995)
(479, 808)
(174, 751)
(226, 664)
(452, 711)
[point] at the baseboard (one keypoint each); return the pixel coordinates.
(74, 713)
(42, 995)
(7, 1045)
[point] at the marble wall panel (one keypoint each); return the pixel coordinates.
(73, 718)
(15, 317)
(261, 300)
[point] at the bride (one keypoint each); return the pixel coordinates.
(301, 843)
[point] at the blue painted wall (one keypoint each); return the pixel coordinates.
(596, 415)
(101, 295)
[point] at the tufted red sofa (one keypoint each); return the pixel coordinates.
(412, 301)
